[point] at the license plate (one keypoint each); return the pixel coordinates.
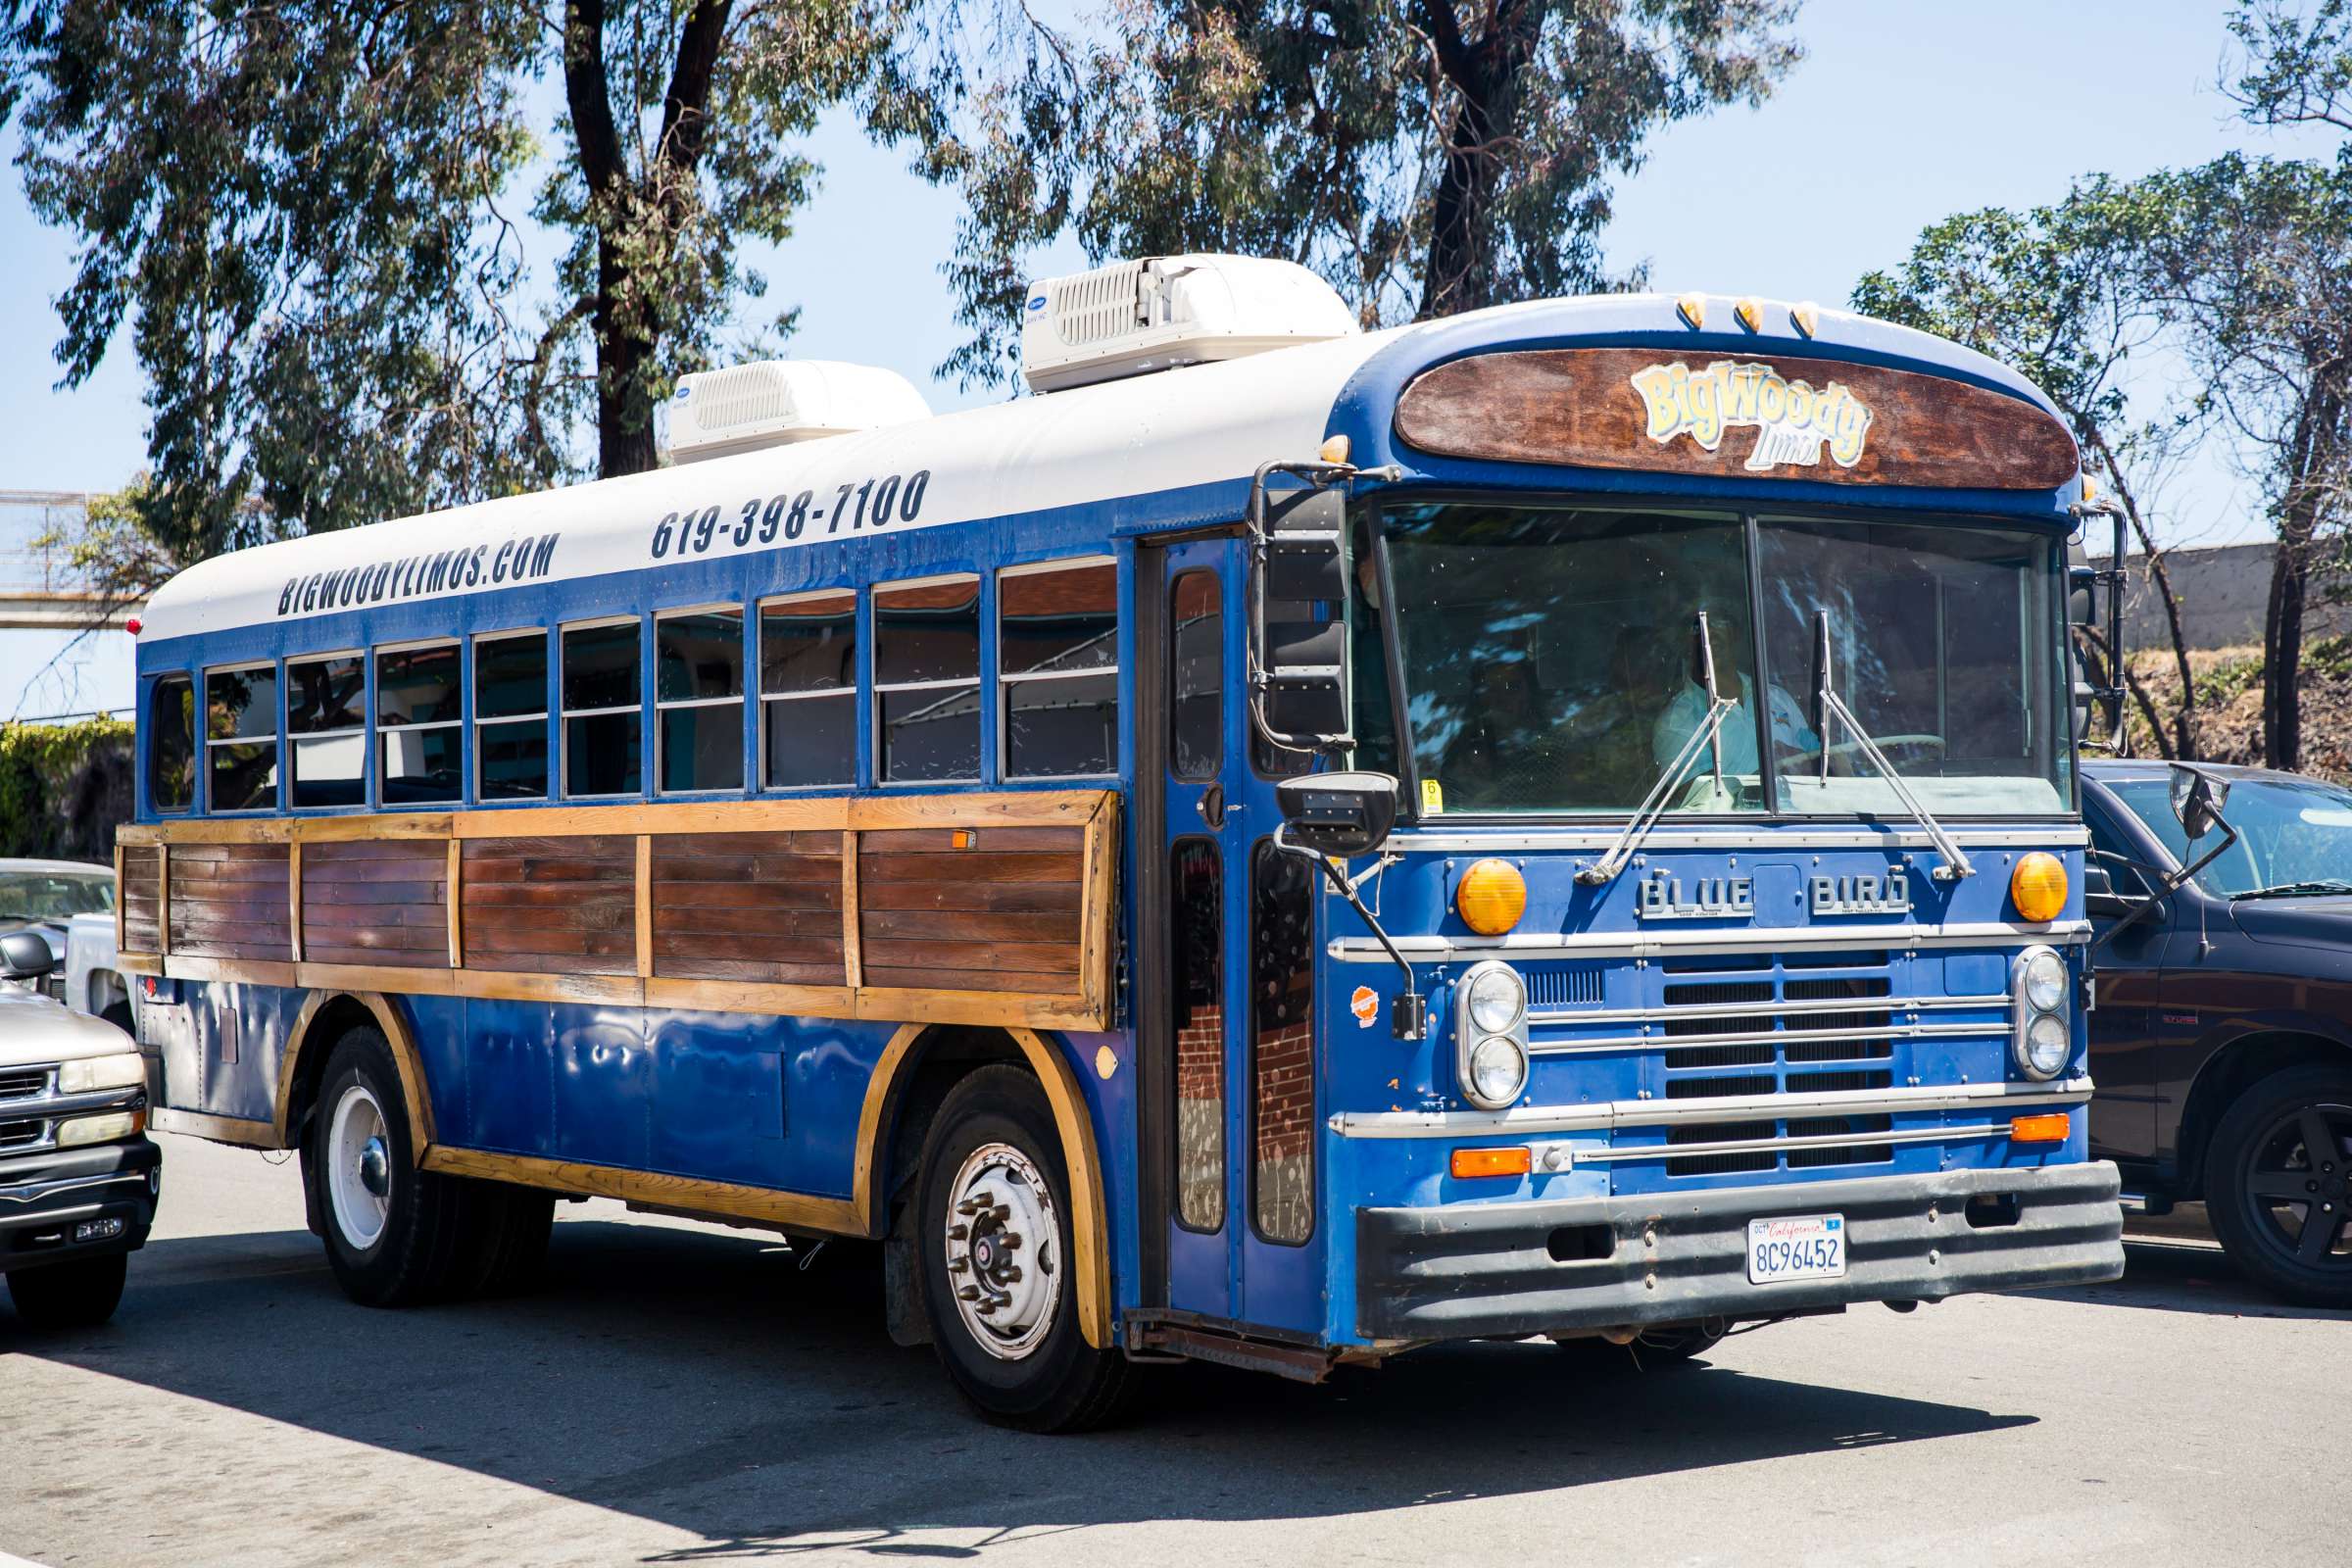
(1800, 1247)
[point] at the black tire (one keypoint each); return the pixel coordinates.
(506, 1248)
(1058, 1383)
(2276, 1206)
(120, 1016)
(68, 1296)
(430, 1223)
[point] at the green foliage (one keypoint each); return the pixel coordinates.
(1424, 156)
(2297, 70)
(303, 213)
(65, 787)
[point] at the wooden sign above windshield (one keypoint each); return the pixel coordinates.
(1743, 416)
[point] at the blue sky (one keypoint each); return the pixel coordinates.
(1903, 113)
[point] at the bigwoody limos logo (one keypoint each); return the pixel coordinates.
(1793, 422)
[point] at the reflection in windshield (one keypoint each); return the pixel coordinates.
(1941, 643)
(2291, 830)
(54, 895)
(1548, 653)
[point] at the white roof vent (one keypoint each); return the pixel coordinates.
(715, 414)
(1167, 311)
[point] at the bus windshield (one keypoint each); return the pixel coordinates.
(1549, 664)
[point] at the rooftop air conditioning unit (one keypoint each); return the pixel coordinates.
(715, 414)
(1167, 311)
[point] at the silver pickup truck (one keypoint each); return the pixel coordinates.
(79, 1176)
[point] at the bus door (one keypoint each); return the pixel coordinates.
(1238, 1135)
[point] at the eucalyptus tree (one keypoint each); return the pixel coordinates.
(1424, 156)
(308, 219)
(2056, 293)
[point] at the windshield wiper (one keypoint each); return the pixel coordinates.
(1828, 705)
(2288, 890)
(1704, 738)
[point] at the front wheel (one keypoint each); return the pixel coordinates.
(395, 1234)
(2279, 1181)
(68, 1296)
(999, 1282)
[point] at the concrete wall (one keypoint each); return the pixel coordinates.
(2224, 592)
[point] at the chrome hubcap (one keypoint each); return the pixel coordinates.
(359, 1167)
(1002, 1245)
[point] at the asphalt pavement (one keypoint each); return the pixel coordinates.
(682, 1394)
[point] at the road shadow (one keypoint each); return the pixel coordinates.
(706, 1382)
(2182, 1276)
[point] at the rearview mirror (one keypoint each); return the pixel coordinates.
(2100, 899)
(1338, 814)
(2082, 598)
(1298, 621)
(26, 955)
(2197, 799)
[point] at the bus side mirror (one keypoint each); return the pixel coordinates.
(26, 955)
(1342, 814)
(2081, 595)
(1298, 621)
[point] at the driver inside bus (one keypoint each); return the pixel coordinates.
(1686, 711)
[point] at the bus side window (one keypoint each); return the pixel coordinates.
(240, 737)
(698, 697)
(1197, 886)
(809, 691)
(1282, 1043)
(510, 716)
(418, 728)
(327, 721)
(603, 708)
(927, 680)
(1058, 649)
(1197, 703)
(172, 744)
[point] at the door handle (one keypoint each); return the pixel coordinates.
(1212, 806)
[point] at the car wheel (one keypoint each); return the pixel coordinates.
(395, 1235)
(999, 1282)
(2279, 1180)
(68, 1296)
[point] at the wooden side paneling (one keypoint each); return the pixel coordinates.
(1581, 408)
(760, 906)
(375, 902)
(969, 942)
(229, 900)
(141, 895)
(551, 906)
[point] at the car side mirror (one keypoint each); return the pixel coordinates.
(26, 955)
(2197, 799)
(1340, 814)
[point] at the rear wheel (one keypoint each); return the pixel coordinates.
(999, 1283)
(68, 1296)
(2279, 1181)
(395, 1235)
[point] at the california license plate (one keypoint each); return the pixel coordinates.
(1800, 1247)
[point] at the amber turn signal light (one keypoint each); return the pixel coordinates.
(2048, 1129)
(1491, 897)
(1468, 1163)
(2037, 887)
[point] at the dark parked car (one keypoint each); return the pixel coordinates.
(2222, 1042)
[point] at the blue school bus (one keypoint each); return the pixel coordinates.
(1286, 846)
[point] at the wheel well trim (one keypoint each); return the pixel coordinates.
(2204, 1100)
(406, 1061)
(1089, 1220)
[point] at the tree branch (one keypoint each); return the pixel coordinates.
(588, 94)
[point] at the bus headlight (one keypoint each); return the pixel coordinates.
(1497, 998)
(1498, 1072)
(2043, 978)
(1490, 1035)
(2046, 1037)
